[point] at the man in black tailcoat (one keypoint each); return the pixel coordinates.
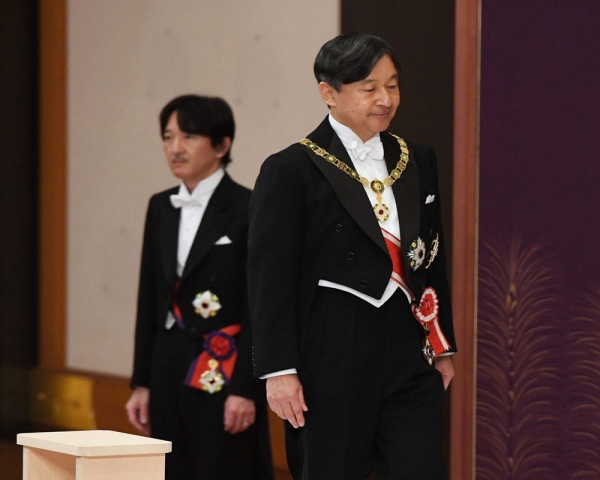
(349, 300)
(192, 374)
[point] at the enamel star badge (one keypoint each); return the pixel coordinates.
(206, 304)
(417, 253)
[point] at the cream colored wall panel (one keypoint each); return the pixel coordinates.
(126, 59)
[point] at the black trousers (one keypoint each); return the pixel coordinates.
(193, 421)
(374, 403)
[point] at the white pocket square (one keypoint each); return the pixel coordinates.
(429, 199)
(224, 240)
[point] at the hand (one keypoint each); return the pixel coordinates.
(445, 367)
(239, 414)
(137, 409)
(286, 398)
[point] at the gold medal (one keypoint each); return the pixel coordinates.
(211, 380)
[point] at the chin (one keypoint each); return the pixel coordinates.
(178, 170)
(381, 127)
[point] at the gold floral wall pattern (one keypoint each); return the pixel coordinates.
(538, 369)
(538, 350)
(581, 447)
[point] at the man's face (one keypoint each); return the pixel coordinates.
(191, 157)
(367, 106)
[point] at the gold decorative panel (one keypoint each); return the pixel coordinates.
(62, 400)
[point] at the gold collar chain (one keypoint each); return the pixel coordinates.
(382, 212)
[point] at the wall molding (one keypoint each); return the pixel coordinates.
(465, 232)
(52, 183)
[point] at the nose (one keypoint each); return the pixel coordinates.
(385, 99)
(177, 145)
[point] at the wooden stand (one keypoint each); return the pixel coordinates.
(92, 455)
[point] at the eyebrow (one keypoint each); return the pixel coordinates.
(371, 80)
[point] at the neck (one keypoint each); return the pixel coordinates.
(364, 136)
(191, 184)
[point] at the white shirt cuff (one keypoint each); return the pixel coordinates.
(289, 371)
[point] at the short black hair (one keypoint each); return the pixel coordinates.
(199, 115)
(350, 57)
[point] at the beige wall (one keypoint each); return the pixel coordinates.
(126, 59)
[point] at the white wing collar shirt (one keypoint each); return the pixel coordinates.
(193, 205)
(369, 162)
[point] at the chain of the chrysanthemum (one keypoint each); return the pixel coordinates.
(376, 185)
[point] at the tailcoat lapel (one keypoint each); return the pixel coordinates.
(217, 217)
(351, 193)
(406, 195)
(169, 233)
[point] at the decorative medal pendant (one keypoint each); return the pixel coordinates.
(211, 380)
(428, 351)
(382, 212)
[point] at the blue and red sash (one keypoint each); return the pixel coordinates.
(213, 368)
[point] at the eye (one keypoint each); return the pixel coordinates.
(392, 87)
(368, 89)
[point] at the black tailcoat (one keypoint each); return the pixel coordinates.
(310, 221)
(162, 356)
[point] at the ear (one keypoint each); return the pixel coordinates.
(327, 93)
(223, 147)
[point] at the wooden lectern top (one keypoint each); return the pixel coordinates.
(94, 443)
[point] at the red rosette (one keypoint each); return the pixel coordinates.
(426, 312)
(219, 346)
(428, 308)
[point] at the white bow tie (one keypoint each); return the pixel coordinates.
(179, 201)
(372, 148)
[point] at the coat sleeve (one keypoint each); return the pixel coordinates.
(145, 328)
(274, 264)
(436, 273)
(243, 382)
